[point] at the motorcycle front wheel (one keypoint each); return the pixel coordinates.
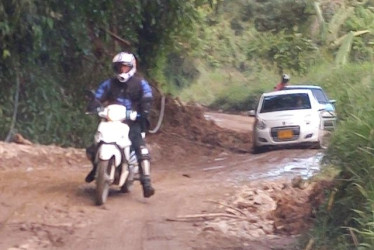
(102, 182)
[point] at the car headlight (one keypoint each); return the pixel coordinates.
(260, 124)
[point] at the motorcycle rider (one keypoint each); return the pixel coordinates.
(284, 81)
(134, 92)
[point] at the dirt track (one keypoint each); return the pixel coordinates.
(45, 203)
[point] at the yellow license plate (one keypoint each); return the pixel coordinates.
(285, 134)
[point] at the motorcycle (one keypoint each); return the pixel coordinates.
(116, 164)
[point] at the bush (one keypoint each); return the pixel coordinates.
(352, 150)
(46, 113)
(289, 52)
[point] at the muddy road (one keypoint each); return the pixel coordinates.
(203, 201)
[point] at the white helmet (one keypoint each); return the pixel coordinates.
(285, 77)
(124, 58)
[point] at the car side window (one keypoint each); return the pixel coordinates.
(320, 96)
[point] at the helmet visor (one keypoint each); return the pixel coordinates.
(117, 66)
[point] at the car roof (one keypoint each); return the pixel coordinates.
(303, 87)
(287, 91)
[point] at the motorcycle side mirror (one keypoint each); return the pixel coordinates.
(89, 95)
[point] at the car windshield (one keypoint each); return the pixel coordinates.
(285, 102)
(318, 93)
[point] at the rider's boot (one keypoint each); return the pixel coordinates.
(148, 190)
(90, 153)
(91, 175)
(145, 179)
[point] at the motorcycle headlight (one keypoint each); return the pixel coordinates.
(116, 112)
(111, 116)
(261, 124)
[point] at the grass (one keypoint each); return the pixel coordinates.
(226, 88)
(349, 223)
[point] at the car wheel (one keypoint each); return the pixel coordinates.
(257, 149)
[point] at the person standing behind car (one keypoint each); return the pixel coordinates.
(135, 94)
(284, 81)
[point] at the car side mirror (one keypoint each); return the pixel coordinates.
(332, 101)
(252, 113)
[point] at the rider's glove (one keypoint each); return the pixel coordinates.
(132, 115)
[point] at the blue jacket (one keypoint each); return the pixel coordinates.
(135, 94)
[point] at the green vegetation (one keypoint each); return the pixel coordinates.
(348, 222)
(50, 52)
(236, 53)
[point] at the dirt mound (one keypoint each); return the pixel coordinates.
(185, 126)
(296, 207)
(30, 156)
(264, 209)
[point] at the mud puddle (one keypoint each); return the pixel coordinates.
(304, 167)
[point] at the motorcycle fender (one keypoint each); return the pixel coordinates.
(107, 151)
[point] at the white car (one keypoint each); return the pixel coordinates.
(287, 117)
(329, 115)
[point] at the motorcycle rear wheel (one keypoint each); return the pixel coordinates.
(102, 182)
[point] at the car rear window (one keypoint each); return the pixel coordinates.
(285, 102)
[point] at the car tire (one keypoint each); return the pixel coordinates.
(316, 145)
(257, 149)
